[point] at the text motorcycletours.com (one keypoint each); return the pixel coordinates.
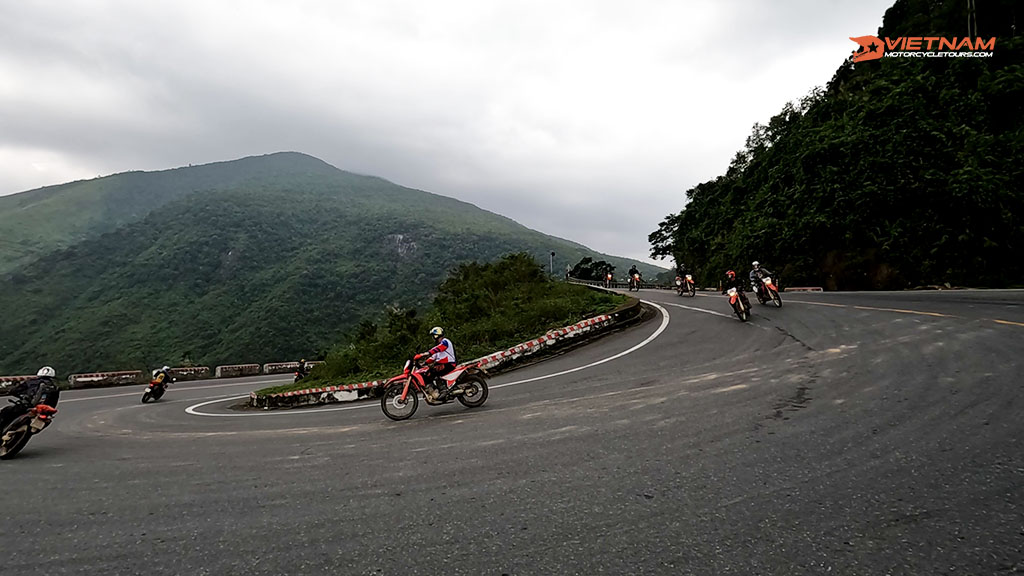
(937, 55)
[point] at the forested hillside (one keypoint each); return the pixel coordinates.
(900, 172)
(277, 258)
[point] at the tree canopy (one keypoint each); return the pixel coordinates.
(900, 172)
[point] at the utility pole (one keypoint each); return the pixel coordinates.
(972, 20)
(551, 265)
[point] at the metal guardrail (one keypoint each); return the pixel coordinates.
(625, 285)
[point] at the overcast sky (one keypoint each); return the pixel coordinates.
(585, 119)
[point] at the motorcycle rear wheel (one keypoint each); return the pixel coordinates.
(475, 391)
(392, 405)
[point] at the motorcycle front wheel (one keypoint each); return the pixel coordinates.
(18, 441)
(475, 391)
(392, 405)
(692, 291)
(741, 313)
(146, 396)
(776, 298)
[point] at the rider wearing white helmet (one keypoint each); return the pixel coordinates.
(441, 360)
(39, 390)
(756, 274)
(162, 376)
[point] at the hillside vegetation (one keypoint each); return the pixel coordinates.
(482, 308)
(901, 172)
(278, 267)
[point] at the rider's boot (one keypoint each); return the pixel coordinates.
(434, 391)
(442, 388)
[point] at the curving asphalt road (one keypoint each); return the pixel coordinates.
(846, 433)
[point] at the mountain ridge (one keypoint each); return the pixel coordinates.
(278, 262)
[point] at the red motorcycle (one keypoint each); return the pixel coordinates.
(17, 434)
(608, 280)
(155, 390)
(767, 290)
(401, 393)
(634, 283)
(740, 304)
(684, 285)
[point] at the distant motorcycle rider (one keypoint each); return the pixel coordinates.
(162, 376)
(634, 273)
(441, 361)
(39, 390)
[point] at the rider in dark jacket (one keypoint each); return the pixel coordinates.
(733, 281)
(634, 272)
(756, 274)
(39, 390)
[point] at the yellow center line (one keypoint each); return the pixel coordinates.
(902, 311)
(818, 303)
(1009, 322)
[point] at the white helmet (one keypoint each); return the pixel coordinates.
(756, 264)
(437, 331)
(47, 371)
(165, 368)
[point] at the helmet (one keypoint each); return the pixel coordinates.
(756, 264)
(165, 368)
(47, 371)
(730, 274)
(437, 331)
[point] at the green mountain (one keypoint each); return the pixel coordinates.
(256, 260)
(901, 172)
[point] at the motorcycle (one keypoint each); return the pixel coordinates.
(17, 434)
(766, 290)
(608, 281)
(634, 283)
(684, 285)
(155, 390)
(740, 304)
(401, 393)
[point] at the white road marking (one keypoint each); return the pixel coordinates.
(194, 409)
(143, 386)
(695, 309)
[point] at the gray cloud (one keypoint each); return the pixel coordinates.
(586, 119)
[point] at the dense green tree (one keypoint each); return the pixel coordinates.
(588, 269)
(901, 172)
